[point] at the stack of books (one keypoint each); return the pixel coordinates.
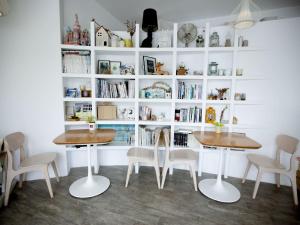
(192, 115)
(189, 91)
(76, 62)
(110, 89)
(181, 138)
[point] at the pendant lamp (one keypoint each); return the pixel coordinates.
(245, 18)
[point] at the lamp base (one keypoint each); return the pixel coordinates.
(147, 42)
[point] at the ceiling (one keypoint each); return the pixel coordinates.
(183, 10)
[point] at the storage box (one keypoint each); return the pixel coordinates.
(107, 112)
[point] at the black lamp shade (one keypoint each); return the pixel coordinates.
(149, 20)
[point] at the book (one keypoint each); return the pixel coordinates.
(192, 114)
(189, 91)
(112, 89)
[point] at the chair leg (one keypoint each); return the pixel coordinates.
(47, 178)
(21, 178)
(258, 178)
(156, 167)
(191, 171)
(129, 171)
(54, 167)
(277, 177)
(246, 171)
(7, 190)
(164, 174)
(294, 186)
(194, 177)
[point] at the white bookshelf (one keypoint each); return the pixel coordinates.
(171, 55)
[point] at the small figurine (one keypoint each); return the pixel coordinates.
(85, 37)
(214, 40)
(221, 93)
(182, 70)
(200, 41)
(158, 69)
(76, 31)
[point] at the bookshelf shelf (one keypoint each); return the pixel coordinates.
(196, 59)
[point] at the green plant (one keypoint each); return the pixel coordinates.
(220, 124)
(90, 119)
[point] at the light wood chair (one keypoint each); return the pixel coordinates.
(39, 162)
(148, 157)
(265, 164)
(181, 156)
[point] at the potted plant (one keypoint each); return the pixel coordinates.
(91, 121)
(219, 125)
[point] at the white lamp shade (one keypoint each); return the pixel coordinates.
(244, 19)
(3, 7)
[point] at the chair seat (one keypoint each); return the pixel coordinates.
(264, 161)
(39, 159)
(141, 153)
(183, 155)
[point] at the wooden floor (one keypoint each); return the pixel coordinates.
(142, 203)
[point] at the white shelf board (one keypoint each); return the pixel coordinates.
(154, 123)
(114, 76)
(217, 102)
(77, 99)
(114, 49)
(189, 77)
(114, 99)
(188, 124)
(214, 77)
(74, 47)
(156, 77)
(115, 122)
(145, 50)
(188, 101)
(155, 100)
(220, 49)
(192, 49)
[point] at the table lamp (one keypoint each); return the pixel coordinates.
(149, 26)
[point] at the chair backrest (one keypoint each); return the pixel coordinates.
(167, 142)
(157, 133)
(287, 144)
(13, 142)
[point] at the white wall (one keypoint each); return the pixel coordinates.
(30, 87)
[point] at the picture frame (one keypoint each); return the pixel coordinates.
(115, 67)
(149, 65)
(103, 67)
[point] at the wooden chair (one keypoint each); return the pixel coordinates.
(39, 162)
(148, 157)
(181, 156)
(266, 164)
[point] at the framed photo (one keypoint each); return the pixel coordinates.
(103, 66)
(149, 65)
(115, 67)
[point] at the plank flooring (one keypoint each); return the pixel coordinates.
(143, 204)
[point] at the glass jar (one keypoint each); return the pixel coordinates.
(214, 40)
(213, 68)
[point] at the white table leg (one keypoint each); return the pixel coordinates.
(89, 186)
(171, 170)
(95, 159)
(227, 160)
(136, 168)
(217, 189)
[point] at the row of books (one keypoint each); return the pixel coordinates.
(145, 113)
(181, 138)
(189, 91)
(76, 62)
(146, 136)
(192, 114)
(112, 89)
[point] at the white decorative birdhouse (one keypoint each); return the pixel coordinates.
(103, 37)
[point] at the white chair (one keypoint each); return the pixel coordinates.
(40, 162)
(148, 157)
(181, 156)
(266, 164)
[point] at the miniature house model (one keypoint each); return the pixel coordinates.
(102, 37)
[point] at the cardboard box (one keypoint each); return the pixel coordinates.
(107, 112)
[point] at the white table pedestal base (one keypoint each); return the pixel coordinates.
(217, 189)
(221, 192)
(89, 186)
